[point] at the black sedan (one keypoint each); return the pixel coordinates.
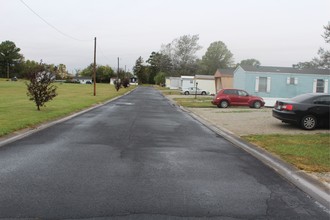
(308, 110)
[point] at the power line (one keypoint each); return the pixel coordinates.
(49, 24)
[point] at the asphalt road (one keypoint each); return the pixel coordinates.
(140, 157)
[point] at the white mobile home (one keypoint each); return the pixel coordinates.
(187, 81)
(205, 82)
(173, 82)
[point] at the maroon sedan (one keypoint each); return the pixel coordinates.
(237, 97)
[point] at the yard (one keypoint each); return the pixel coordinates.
(17, 112)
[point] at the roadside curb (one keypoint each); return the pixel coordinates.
(28, 131)
(311, 186)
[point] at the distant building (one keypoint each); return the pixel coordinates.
(83, 80)
(187, 81)
(133, 80)
(205, 82)
(281, 82)
(223, 79)
(173, 82)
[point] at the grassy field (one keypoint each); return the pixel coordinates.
(18, 112)
(307, 152)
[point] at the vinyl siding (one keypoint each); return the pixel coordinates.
(278, 83)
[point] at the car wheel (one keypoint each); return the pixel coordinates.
(223, 104)
(186, 93)
(309, 122)
(203, 93)
(257, 104)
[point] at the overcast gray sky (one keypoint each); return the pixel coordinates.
(276, 32)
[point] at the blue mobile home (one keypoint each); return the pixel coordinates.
(281, 82)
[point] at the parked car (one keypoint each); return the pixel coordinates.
(307, 110)
(193, 91)
(237, 97)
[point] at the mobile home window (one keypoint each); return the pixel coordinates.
(262, 84)
(292, 81)
(320, 86)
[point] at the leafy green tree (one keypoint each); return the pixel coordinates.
(158, 63)
(324, 60)
(140, 71)
(26, 67)
(9, 56)
(182, 52)
(250, 62)
(217, 56)
(103, 73)
(305, 65)
(160, 78)
(61, 72)
(40, 87)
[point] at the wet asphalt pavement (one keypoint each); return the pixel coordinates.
(140, 157)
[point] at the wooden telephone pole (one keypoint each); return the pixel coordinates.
(94, 67)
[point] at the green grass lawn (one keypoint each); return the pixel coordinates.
(307, 152)
(18, 112)
(199, 102)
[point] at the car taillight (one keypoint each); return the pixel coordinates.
(287, 107)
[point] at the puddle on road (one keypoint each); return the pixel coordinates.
(124, 104)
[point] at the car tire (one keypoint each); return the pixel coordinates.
(223, 104)
(257, 104)
(308, 122)
(186, 93)
(203, 93)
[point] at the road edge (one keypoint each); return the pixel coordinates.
(311, 186)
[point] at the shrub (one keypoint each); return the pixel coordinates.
(39, 86)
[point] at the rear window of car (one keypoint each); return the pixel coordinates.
(229, 92)
(302, 98)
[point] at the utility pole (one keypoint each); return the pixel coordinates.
(196, 90)
(94, 67)
(118, 69)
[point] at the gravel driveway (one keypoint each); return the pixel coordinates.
(245, 121)
(242, 121)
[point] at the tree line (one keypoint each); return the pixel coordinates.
(13, 64)
(173, 59)
(179, 58)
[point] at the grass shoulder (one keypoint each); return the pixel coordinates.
(192, 102)
(310, 153)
